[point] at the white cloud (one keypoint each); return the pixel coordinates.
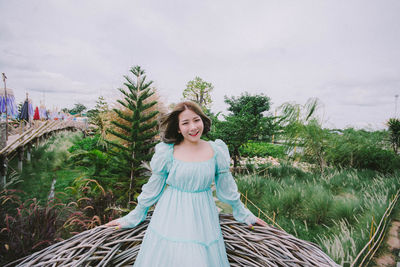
(345, 53)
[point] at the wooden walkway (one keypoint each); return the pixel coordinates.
(18, 143)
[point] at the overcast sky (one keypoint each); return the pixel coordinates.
(346, 53)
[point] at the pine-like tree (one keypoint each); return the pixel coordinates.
(136, 128)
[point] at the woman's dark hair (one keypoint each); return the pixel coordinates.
(170, 123)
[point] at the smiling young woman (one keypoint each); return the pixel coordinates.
(184, 229)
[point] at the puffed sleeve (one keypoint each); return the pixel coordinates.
(152, 190)
(226, 187)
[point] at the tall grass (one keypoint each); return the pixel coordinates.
(48, 161)
(334, 209)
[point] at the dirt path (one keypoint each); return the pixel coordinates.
(388, 255)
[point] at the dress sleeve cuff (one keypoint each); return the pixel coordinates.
(134, 217)
(250, 219)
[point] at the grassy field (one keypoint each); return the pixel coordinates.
(334, 210)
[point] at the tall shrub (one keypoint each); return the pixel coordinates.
(302, 128)
(247, 121)
(394, 129)
(361, 149)
(135, 130)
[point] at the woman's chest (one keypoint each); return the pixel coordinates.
(192, 174)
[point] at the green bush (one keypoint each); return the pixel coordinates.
(317, 205)
(262, 149)
(361, 149)
(87, 144)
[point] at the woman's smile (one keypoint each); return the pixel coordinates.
(194, 134)
(190, 125)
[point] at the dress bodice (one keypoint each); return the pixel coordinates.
(191, 176)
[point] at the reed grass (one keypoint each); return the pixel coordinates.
(335, 209)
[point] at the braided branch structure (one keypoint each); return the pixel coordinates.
(105, 246)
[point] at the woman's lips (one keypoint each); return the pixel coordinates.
(194, 134)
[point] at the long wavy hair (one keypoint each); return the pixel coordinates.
(170, 123)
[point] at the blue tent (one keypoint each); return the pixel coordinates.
(11, 105)
(24, 115)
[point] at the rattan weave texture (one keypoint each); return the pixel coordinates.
(105, 246)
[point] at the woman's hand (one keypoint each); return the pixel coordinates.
(115, 223)
(259, 222)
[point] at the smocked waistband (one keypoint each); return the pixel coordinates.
(188, 191)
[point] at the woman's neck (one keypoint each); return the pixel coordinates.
(191, 144)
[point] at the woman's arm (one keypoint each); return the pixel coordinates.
(227, 190)
(151, 191)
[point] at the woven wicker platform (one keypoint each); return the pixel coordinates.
(105, 246)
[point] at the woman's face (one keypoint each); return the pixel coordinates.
(190, 125)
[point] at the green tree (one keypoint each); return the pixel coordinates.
(394, 129)
(77, 109)
(247, 121)
(255, 108)
(94, 157)
(235, 131)
(255, 105)
(293, 117)
(199, 91)
(100, 107)
(315, 140)
(136, 129)
(302, 128)
(98, 117)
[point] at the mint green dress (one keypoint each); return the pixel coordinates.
(184, 229)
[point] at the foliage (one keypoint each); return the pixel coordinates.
(90, 158)
(47, 160)
(303, 129)
(137, 131)
(254, 107)
(93, 205)
(94, 157)
(315, 142)
(28, 226)
(394, 129)
(199, 91)
(246, 122)
(101, 106)
(361, 149)
(233, 135)
(293, 118)
(77, 109)
(87, 144)
(13, 178)
(98, 117)
(262, 149)
(335, 210)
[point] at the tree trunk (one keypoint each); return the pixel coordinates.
(235, 156)
(131, 186)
